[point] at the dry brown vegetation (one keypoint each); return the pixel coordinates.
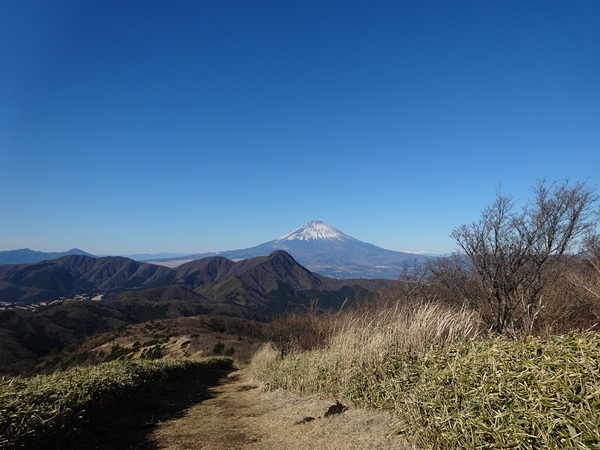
(188, 337)
(512, 264)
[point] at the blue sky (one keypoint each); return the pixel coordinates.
(196, 126)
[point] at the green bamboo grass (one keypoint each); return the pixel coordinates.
(43, 405)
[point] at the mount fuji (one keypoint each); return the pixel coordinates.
(326, 250)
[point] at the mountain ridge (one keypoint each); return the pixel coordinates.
(316, 245)
(249, 280)
(259, 289)
(328, 251)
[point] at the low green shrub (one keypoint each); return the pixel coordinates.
(218, 348)
(507, 394)
(31, 409)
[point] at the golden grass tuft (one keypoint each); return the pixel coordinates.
(361, 341)
(394, 328)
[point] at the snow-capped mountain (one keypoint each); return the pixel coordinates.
(326, 250)
(314, 230)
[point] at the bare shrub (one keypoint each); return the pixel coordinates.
(511, 258)
(566, 307)
(585, 274)
(298, 332)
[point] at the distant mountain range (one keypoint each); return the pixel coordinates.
(327, 251)
(46, 305)
(27, 256)
(56, 299)
(257, 287)
(316, 245)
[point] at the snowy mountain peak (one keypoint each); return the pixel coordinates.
(315, 230)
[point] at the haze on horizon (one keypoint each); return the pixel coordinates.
(147, 127)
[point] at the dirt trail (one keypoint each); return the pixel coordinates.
(238, 414)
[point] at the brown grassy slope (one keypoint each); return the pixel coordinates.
(197, 336)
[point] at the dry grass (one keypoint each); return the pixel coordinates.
(363, 340)
(393, 328)
(449, 387)
(183, 337)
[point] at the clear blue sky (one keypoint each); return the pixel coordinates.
(196, 126)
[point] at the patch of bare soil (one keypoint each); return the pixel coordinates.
(238, 414)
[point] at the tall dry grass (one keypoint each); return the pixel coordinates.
(361, 340)
(390, 328)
